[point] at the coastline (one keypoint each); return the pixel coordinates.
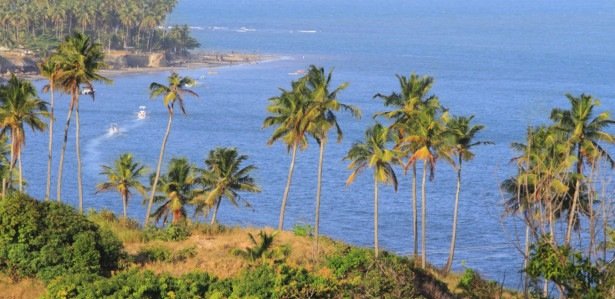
(204, 59)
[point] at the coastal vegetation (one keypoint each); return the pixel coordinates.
(120, 25)
(554, 193)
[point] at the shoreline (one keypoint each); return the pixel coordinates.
(197, 60)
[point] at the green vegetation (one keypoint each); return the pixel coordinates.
(40, 25)
(47, 240)
(554, 193)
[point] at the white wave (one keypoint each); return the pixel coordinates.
(196, 28)
(245, 29)
(218, 28)
(307, 31)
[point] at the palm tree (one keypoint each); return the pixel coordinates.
(80, 61)
(462, 135)
(584, 131)
(224, 177)
(123, 176)
(412, 98)
(49, 69)
(326, 104)
(20, 106)
(424, 135)
(372, 153)
(290, 112)
(176, 187)
(173, 93)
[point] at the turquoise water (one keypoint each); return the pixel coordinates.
(509, 63)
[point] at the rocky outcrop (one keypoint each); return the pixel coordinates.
(17, 61)
(123, 59)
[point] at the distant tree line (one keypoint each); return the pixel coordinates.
(40, 25)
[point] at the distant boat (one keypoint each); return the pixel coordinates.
(297, 72)
(87, 91)
(113, 129)
(142, 114)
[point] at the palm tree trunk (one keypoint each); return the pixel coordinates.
(376, 248)
(78, 150)
(526, 255)
(287, 188)
(20, 172)
(423, 216)
(155, 184)
(318, 190)
(50, 149)
(415, 232)
(61, 165)
(213, 218)
(11, 164)
(125, 203)
(451, 253)
(575, 197)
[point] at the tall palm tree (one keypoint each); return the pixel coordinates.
(20, 106)
(326, 103)
(171, 94)
(372, 153)
(50, 69)
(584, 130)
(224, 177)
(412, 98)
(292, 115)
(80, 61)
(462, 134)
(425, 134)
(176, 186)
(123, 176)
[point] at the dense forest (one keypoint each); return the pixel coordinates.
(132, 25)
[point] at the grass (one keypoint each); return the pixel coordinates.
(24, 288)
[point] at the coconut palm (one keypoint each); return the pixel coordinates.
(80, 61)
(461, 133)
(50, 69)
(412, 98)
(176, 190)
(425, 135)
(372, 153)
(171, 94)
(584, 130)
(20, 106)
(224, 177)
(123, 176)
(291, 114)
(326, 103)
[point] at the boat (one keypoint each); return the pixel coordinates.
(297, 72)
(142, 114)
(113, 129)
(87, 91)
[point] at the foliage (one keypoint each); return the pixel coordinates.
(303, 230)
(565, 267)
(348, 259)
(131, 284)
(46, 240)
(259, 248)
(163, 254)
(38, 25)
(473, 286)
(173, 232)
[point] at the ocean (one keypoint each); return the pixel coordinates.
(506, 62)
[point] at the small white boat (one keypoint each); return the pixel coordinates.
(142, 114)
(87, 91)
(297, 72)
(113, 129)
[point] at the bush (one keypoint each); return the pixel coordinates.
(473, 286)
(174, 232)
(162, 254)
(348, 259)
(303, 230)
(48, 239)
(135, 284)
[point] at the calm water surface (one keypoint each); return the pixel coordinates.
(506, 62)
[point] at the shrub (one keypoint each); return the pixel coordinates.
(174, 232)
(303, 230)
(133, 284)
(348, 259)
(473, 286)
(162, 254)
(48, 239)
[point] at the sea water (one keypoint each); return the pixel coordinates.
(506, 62)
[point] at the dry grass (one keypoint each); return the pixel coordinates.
(213, 252)
(23, 289)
